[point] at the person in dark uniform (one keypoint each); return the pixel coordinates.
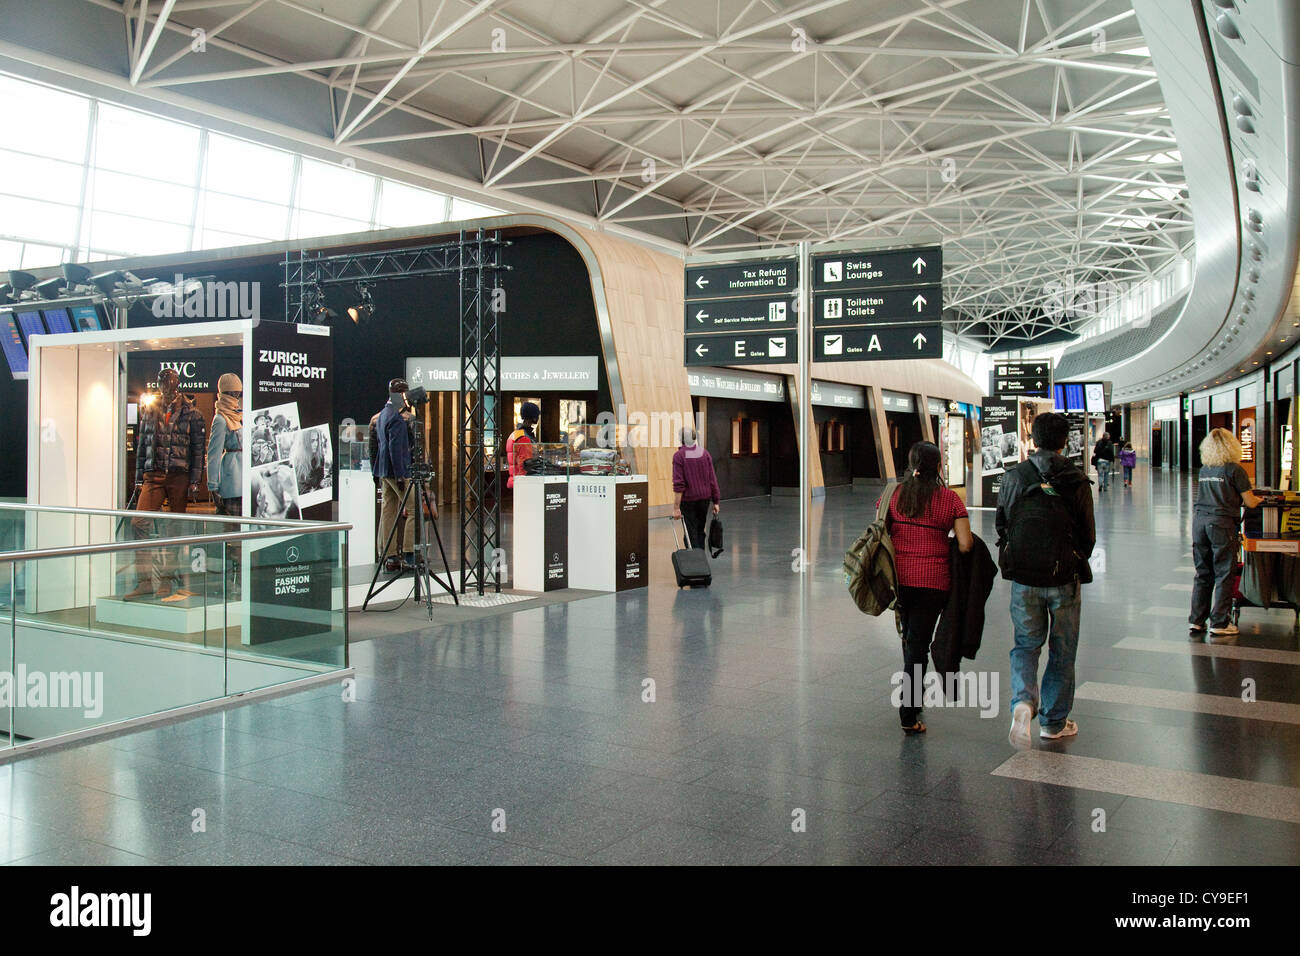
(1222, 487)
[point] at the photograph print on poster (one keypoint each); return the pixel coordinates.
(991, 447)
(312, 458)
(275, 492)
(273, 431)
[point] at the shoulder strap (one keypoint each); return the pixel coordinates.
(886, 498)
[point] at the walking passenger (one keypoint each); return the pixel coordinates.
(1103, 456)
(695, 487)
(1222, 487)
(1046, 534)
(1128, 459)
(921, 514)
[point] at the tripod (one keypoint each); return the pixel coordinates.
(415, 500)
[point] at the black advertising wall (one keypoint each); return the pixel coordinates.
(291, 461)
(549, 311)
(999, 443)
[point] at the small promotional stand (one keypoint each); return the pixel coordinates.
(608, 515)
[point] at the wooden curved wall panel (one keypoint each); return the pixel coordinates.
(643, 292)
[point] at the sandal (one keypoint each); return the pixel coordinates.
(916, 728)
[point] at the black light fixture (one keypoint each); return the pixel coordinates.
(50, 288)
(107, 282)
(21, 282)
(314, 307)
(365, 307)
(6, 291)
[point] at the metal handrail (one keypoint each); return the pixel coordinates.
(183, 516)
(73, 551)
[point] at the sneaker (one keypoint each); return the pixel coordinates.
(1069, 730)
(1021, 717)
(1196, 628)
(1228, 630)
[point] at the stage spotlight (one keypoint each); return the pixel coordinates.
(314, 307)
(365, 308)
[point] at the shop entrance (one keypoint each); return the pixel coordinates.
(904, 432)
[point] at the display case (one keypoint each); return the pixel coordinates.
(594, 450)
(354, 447)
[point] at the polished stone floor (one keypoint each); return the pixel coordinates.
(531, 737)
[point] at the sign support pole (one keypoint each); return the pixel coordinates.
(805, 403)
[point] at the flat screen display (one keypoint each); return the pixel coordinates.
(1095, 399)
(1074, 399)
(11, 343)
(1058, 398)
(57, 320)
(87, 318)
(29, 323)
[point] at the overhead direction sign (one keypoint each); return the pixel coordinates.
(870, 307)
(1024, 377)
(880, 269)
(742, 348)
(755, 277)
(735, 315)
(878, 343)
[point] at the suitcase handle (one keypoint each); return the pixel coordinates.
(685, 533)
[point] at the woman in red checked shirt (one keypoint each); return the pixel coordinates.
(922, 513)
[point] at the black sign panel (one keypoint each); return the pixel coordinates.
(878, 343)
(871, 270)
(753, 348)
(1031, 379)
(742, 315)
(555, 534)
(292, 589)
(875, 306)
(291, 458)
(999, 444)
(756, 277)
(198, 369)
(631, 536)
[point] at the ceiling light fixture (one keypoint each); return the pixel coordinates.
(1227, 29)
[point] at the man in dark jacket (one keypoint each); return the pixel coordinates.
(1103, 454)
(1042, 614)
(170, 452)
(392, 469)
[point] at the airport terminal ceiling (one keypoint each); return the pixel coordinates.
(1031, 138)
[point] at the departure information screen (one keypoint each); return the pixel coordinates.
(11, 342)
(57, 320)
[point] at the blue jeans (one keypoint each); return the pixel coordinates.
(1103, 474)
(1128, 474)
(1045, 616)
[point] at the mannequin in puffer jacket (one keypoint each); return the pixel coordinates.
(171, 449)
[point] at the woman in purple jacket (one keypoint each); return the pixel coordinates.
(1129, 459)
(695, 485)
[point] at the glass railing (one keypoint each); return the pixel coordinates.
(108, 616)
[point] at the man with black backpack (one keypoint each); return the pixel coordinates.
(1046, 534)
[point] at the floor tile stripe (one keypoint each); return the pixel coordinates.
(1231, 651)
(1193, 703)
(1269, 800)
(1177, 587)
(1165, 611)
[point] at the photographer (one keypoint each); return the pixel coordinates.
(392, 469)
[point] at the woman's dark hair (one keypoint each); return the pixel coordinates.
(922, 479)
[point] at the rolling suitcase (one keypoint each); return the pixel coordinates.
(691, 565)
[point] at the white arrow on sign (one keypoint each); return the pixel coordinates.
(701, 315)
(919, 339)
(1038, 385)
(1038, 370)
(700, 350)
(918, 302)
(918, 264)
(701, 282)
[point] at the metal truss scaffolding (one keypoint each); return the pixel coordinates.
(476, 259)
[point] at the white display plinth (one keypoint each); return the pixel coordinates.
(608, 525)
(541, 533)
(357, 508)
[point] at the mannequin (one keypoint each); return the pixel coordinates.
(169, 459)
(226, 448)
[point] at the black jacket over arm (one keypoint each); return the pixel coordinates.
(961, 625)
